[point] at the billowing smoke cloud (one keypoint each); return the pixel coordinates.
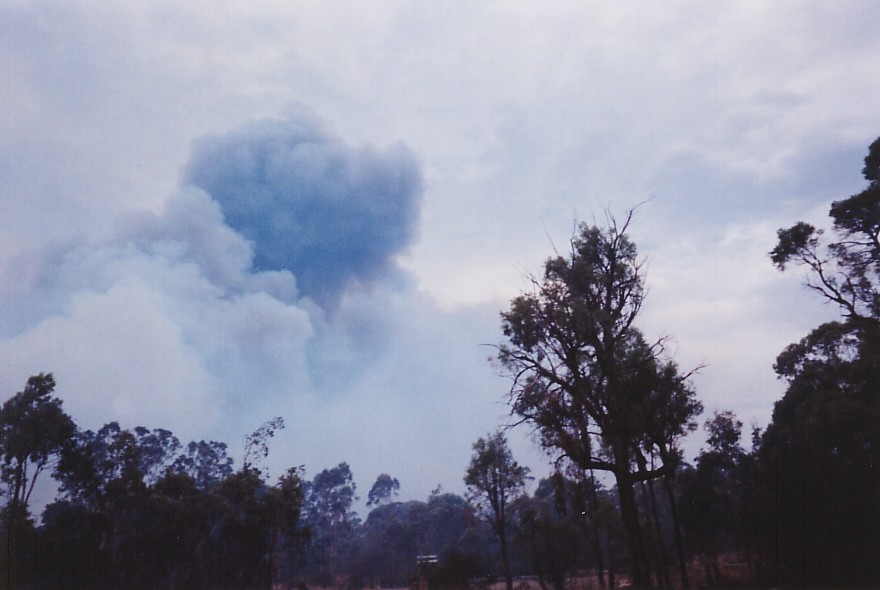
(204, 317)
(165, 323)
(329, 213)
(206, 308)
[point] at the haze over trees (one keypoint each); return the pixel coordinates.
(137, 508)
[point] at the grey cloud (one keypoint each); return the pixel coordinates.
(191, 228)
(221, 332)
(329, 213)
(707, 191)
(167, 315)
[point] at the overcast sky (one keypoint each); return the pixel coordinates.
(213, 213)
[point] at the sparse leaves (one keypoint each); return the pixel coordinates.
(256, 444)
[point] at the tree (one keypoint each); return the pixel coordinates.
(102, 473)
(256, 444)
(255, 527)
(329, 515)
(389, 542)
(847, 271)
(557, 524)
(383, 489)
(156, 450)
(584, 376)
(206, 462)
(494, 480)
(395, 533)
(543, 535)
(134, 512)
(819, 459)
(242, 538)
(672, 408)
(99, 469)
(284, 503)
(33, 429)
(713, 492)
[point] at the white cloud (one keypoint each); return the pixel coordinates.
(118, 356)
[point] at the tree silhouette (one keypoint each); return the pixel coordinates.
(33, 430)
(583, 375)
(819, 460)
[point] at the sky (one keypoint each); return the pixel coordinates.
(214, 213)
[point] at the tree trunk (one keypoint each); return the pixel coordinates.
(653, 543)
(664, 556)
(597, 550)
(273, 557)
(537, 557)
(18, 486)
(593, 503)
(713, 561)
(505, 559)
(612, 582)
(629, 514)
(679, 541)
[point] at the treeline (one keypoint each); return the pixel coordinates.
(799, 508)
(138, 509)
